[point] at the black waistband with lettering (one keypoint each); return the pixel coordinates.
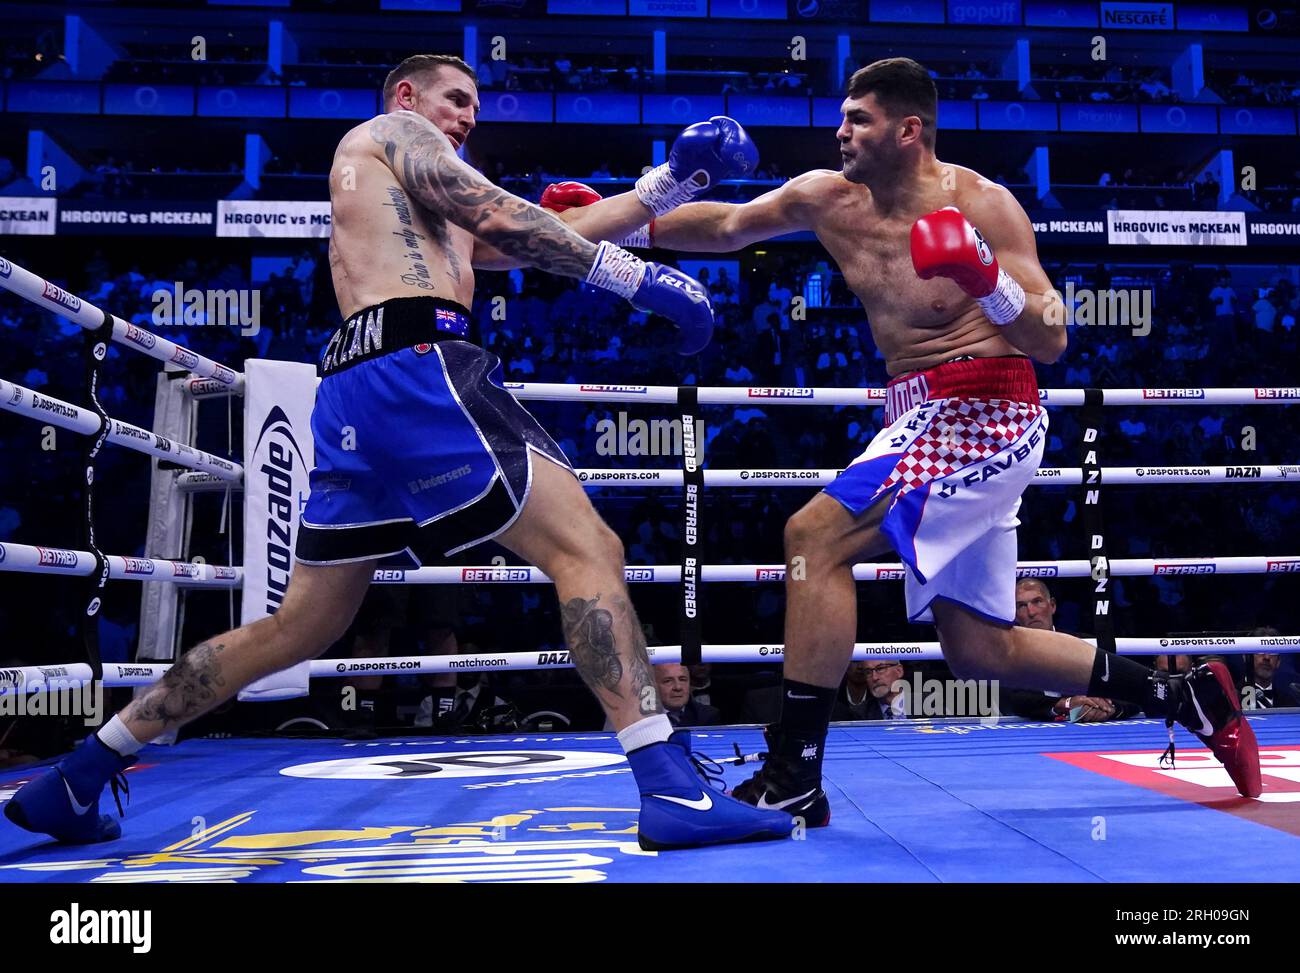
(400, 322)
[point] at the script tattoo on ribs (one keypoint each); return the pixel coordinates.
(430, 171)
(188, 689)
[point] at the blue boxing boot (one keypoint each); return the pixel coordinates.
(680, 808)
(63, 802)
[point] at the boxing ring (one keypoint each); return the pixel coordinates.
(916, 800)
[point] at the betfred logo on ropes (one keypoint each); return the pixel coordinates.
(631, 389)
(53, 557)
(1037, 571)
(6, 268)
(769, 574)
(494, 574)
(638, 574)
(139, 337)
(1274, 567)
(185, 358)
(57, 295)
(206, 386)
(182, 570)
(1173, 393)
(780, 393)
(223, 375)
(1184, 569)
(139, 566)
(890, 574)
(225, 573)
(1277, 393)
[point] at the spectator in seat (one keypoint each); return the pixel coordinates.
(1036, 608)
(674, 682)
(1262, 690)
(702, 683)
(868, 692)
(468, 705)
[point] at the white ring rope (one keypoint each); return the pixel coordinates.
(44, 408)
(865, 571)
(31, 559)
(1044, 476)
(33, 678)
(50, 297)
(768, 396)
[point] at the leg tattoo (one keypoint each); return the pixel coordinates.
(188, 688)
(590, 633)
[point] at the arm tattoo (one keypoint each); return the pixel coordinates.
(188, 689)
(428, 169)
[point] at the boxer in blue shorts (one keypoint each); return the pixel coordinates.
(958, 316)
(421, 451)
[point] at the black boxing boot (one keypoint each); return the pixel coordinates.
(790, 779)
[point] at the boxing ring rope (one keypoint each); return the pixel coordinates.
(209, 379)
(50, 297)
(766, 395)
(119, 674)
(45, 408)
(30, 559)
(1043, 476)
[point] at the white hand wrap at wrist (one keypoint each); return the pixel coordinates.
(639, 237)
(616, 270)
(1007, 301)
(661, 193)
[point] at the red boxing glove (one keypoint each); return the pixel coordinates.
(944, 244)
(559, 196)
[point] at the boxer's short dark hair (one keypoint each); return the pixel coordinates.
(419, 64)
(903, 87)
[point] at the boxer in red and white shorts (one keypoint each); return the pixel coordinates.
(960, 444)
(958, 316)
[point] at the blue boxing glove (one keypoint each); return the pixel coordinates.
(658, 289)
(703, 154)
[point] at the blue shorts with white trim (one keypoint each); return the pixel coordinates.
(420, 450)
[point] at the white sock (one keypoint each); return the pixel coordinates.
(118, 738)
(642, 733)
